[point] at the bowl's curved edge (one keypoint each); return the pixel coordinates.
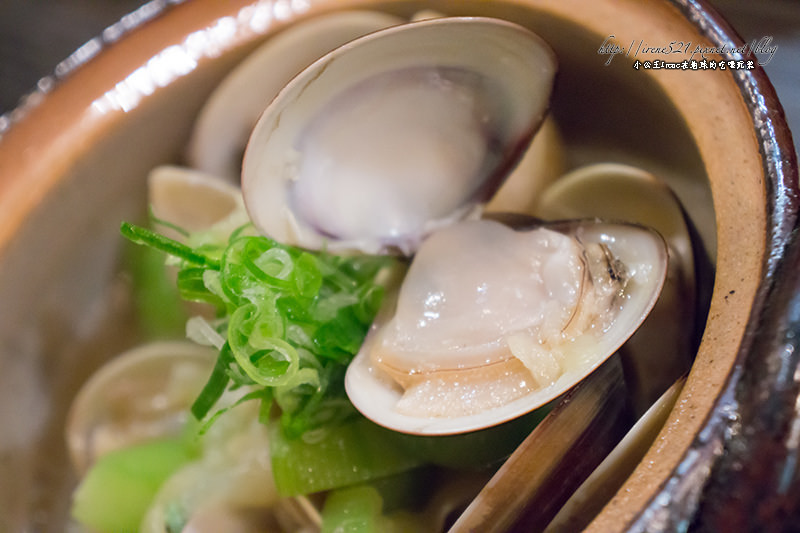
(87, 51)
(715, 487)
(742, 470)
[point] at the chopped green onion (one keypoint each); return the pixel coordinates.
(140, 235)
(192, 287)
(215, 386)
(292, 320)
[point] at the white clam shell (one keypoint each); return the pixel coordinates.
(140, 394)
(228, 116)
(515, 72)
(606, 479)
(542, 164)
(662, 349)
(616, 191)
(376, 395)
(194, 200)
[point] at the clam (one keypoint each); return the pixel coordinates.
(145, 394)
(492, 322)
(662, 349)
(587, 501)
(224, 124)
(397, 133)
(141, 394)
(383, 145)
(542, 164)
(194, 201)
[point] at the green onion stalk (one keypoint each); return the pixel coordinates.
(289, 321)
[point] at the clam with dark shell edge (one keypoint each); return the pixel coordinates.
(383, 145)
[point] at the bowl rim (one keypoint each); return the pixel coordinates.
(83, 55)
(713, 479)
(714, 486)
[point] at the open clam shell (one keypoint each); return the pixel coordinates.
(542, 164)
(227, 118)
(616, 191)
(609, 475)
(554, 460)
(663, 348)
(194, 200)
(422, 119)
(491, 385)
(141, 394)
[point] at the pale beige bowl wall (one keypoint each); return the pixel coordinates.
(75, 166)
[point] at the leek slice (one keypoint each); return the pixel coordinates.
(360, 510)
(116, 492)
(351, 453)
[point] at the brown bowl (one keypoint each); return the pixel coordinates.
(73, 163)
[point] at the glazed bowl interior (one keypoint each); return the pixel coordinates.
(74, 167)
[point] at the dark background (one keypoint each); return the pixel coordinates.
(35, 35)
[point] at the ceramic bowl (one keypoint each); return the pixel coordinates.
(74, 159)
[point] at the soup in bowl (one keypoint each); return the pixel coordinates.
(643, 124)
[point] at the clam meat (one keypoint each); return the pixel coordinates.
(396, 134)
(491, 322)
(663, 347)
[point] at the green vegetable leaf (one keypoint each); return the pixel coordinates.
(360, 509)
(159, 309)
(292, 320)
(117, 490)
(215, 386)
(347, 454)
(140, 235)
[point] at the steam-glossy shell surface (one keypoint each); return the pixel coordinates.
(381, 392)
(227, 118)
(141, 394)
(194, 200)
(424, 119)
(662, 349)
